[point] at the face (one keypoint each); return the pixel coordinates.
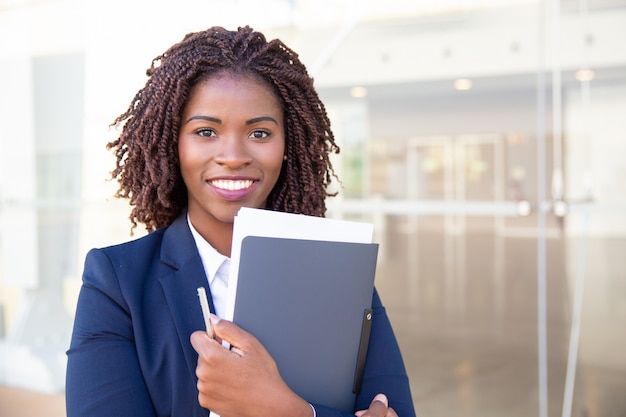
(231, 147)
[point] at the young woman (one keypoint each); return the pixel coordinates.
(225, 120)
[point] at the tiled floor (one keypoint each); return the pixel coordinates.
(465, 312)
(468, 326)
(15, 402)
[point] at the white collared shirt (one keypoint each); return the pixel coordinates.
(216, 268)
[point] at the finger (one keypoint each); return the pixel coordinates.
(381, 398)
(200, 340)
(376, 403)
(378, 407)
(226, 330)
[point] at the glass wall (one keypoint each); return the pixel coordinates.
(482, 138)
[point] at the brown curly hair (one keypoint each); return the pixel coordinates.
(147, 149)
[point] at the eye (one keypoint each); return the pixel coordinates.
(259, 134)
(205, 132)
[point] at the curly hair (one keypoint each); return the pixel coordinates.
(147, 167)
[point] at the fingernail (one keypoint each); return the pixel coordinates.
(382, 398)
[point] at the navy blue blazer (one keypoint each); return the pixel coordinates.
(130, 353)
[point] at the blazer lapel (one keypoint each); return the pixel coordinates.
(179, 251)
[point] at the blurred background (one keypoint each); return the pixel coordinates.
(485, 139)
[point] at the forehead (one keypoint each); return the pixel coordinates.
(233, 96)
(243, 87)
(232, 77)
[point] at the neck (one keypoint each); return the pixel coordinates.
(218, 234)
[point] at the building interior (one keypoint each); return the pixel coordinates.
(482, 138)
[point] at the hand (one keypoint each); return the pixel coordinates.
(246, 371)
(378, 408)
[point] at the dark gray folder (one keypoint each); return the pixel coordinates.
(305, 301)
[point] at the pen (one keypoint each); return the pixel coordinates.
(204, 303)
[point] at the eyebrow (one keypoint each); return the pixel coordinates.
(248, 122)
(207, 118)
(261, 119)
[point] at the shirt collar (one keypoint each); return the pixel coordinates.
(211, 258)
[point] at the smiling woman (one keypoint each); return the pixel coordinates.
(226, 120)
(147, 150)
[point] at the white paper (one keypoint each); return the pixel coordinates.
(259, 222)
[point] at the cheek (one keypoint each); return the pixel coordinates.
(187, 162)
(275, 160)
(186, 155)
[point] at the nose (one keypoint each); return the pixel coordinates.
(233, 152)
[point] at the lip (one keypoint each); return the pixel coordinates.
(232, 188)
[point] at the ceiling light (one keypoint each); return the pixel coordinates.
(463, 84)
(358, 92)
(585, 75)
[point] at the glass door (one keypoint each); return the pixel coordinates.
(493, 184)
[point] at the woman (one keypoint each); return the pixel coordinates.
(225, 120)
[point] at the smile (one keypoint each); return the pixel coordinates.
(232, 185)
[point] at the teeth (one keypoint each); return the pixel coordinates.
(232, 185)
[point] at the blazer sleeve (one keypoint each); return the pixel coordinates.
(384, 370)
(103, 374)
